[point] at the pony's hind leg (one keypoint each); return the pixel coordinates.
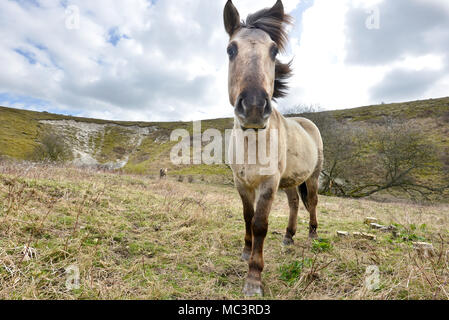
(248, 198)
(293, 203)
(309, 195)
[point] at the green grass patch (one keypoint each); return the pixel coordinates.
(321, 245)
(291, 272)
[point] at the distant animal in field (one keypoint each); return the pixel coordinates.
(163, 173)
(256, 78)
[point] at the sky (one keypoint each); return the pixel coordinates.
(165, 60)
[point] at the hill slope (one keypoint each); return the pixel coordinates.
(144, 147)
(131, 237)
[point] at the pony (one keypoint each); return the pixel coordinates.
(256, 78)
(163, 173)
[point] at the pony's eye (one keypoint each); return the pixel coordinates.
(274, 52)
(232, 51)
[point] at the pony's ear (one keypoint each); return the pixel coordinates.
(277, 10)
(231, 18)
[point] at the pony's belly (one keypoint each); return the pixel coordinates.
(293, 180)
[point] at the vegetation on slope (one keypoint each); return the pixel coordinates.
(369, 150)
(21, 133)
(133, 237)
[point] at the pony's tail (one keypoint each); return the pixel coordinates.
(303, 192)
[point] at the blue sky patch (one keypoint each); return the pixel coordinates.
(31, 103)
(8, 99)
(297, 15)
(114, 36)
(30, 56)
(25, 3)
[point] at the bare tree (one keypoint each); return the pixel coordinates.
(341, 155)
(399, 153)
(301, 109)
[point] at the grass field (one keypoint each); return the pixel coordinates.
(135, 237)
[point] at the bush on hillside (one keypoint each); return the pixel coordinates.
(52, 148)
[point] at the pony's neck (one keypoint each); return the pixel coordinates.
(275, 115)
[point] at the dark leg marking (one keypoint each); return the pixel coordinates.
(247, 197)
(253, 284)
(293, 203)
(309, 195)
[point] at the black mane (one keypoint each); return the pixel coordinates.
(274, 24)
(271, 22)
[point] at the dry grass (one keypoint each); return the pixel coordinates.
(135, 237)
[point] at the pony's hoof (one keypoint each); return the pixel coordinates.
(246, 255)
(313, 235)
(252, 288)
(288, 241)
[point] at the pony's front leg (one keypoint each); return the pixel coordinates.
(259, 226)
(248, 197)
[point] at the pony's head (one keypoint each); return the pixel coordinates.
(256, 76)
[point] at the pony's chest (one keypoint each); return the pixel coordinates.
(248, 174)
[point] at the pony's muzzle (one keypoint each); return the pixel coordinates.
(253, 109)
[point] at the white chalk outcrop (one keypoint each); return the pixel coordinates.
(86, 140)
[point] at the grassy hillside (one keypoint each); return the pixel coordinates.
(21, 130)
(144, 147)
(432, 115)
(132, 237)
(432, 108)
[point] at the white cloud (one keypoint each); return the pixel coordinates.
(246, 7)
(321, 75)
(428, 61)
(169, 59)
(324, 76)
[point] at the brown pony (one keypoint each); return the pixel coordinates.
(256, 77)
(163, 173)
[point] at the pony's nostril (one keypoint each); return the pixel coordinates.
(240, 107)
(267, 109)
(253, 107)
(245, 107)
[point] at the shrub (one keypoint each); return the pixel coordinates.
(292, 271)
(52, 148)
(321, 245)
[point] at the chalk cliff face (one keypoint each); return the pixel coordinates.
(109, 145)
